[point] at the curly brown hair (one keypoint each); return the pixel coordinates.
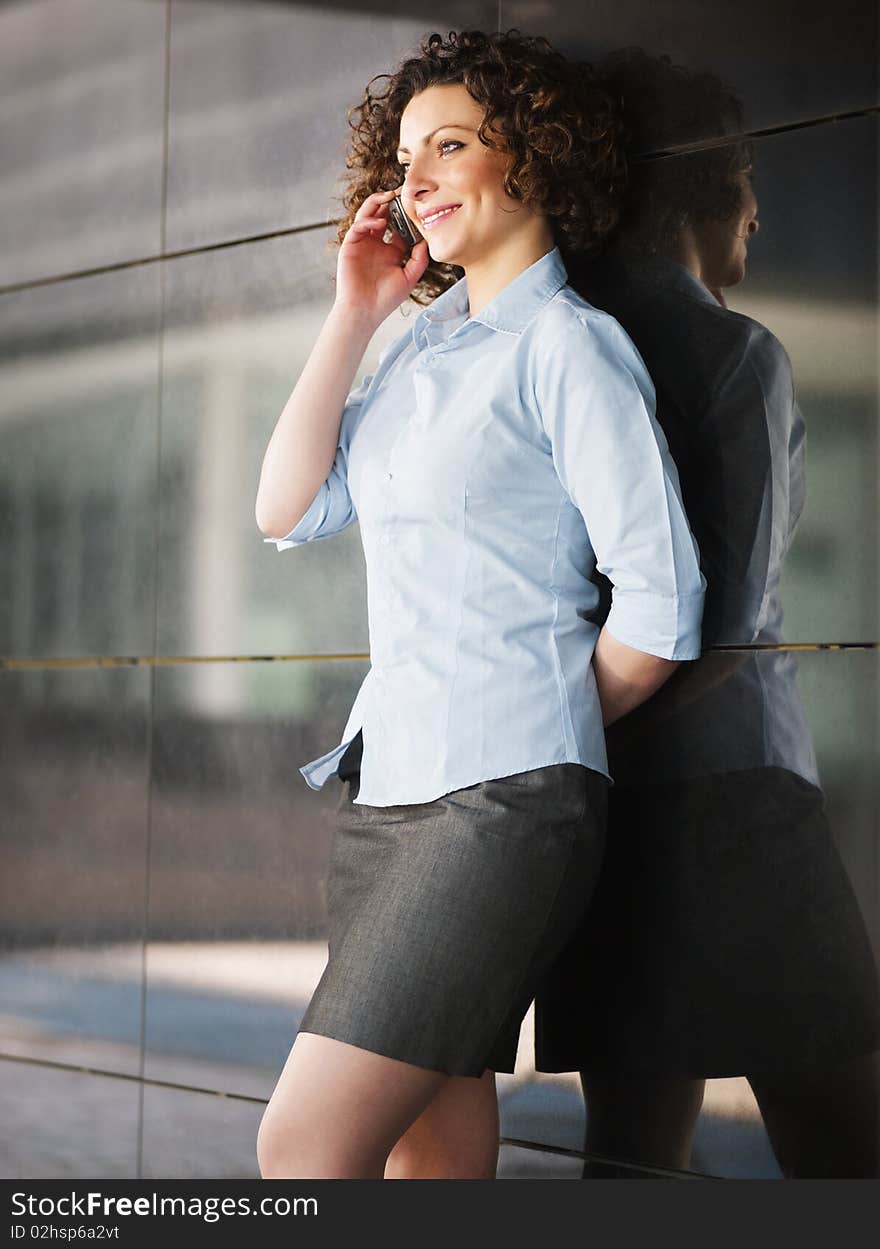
(562, 130)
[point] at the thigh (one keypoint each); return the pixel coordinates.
(824, 1122)
(641, 1118)
(454, 1138)
(337, 1110)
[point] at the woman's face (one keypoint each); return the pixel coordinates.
(445, 165)
(723, 244)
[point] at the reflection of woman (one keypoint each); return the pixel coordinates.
(491, 462)
(733, 944)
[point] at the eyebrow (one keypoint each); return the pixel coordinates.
(428, 137)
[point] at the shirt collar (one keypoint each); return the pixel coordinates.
(509, 312)
(669, 274)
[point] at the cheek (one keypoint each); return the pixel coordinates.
(489, 177)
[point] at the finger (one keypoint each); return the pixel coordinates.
(366, 228)
(376, 202)
(417, 262)
(394, 240)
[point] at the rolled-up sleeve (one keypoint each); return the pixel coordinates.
(597, 406)
(746, 491)
(332, 509)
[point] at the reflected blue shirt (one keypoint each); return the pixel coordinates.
(493, 463)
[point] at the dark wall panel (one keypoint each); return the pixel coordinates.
(81, 108)
(79, 420)
(789, 60)
(73, 772)
(49, 1122)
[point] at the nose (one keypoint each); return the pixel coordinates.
(415, 180)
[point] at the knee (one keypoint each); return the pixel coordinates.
(274, 1151)
(292, 1149)
(282, 1152)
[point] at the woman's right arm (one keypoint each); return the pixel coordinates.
(303, 445)
(371, 281)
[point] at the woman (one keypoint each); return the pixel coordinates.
(733, 942)
(504, 449)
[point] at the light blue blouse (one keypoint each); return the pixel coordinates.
(494, 462)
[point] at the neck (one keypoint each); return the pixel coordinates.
(687, 253)
(489, 275)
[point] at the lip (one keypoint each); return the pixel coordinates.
(429, 212)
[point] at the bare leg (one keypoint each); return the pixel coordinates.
(650, 1119)
(337, 1111)
(454, 1138)
(826, 1124)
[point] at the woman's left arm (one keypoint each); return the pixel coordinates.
(626, 677)
(596, 401)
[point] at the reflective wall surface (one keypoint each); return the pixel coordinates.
(164, 672)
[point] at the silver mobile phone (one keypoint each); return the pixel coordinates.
(401, 222)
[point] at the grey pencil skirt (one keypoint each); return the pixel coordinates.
(445, 915)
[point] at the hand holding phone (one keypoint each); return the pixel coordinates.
(373, 276)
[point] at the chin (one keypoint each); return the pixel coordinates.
(732, 275)
(445, 256)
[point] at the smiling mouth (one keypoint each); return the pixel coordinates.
(428, 223)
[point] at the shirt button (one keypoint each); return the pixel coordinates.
(385, 539)
(388, 476)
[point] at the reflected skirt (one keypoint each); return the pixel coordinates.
(724, 939)
(444, 915)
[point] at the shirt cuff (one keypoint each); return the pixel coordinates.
(668, 627)
(308, 526)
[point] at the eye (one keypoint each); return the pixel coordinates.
(440, 146)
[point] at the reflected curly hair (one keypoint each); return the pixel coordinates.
(562, 130)
(664, 106)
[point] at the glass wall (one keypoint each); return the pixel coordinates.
(171, 177)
